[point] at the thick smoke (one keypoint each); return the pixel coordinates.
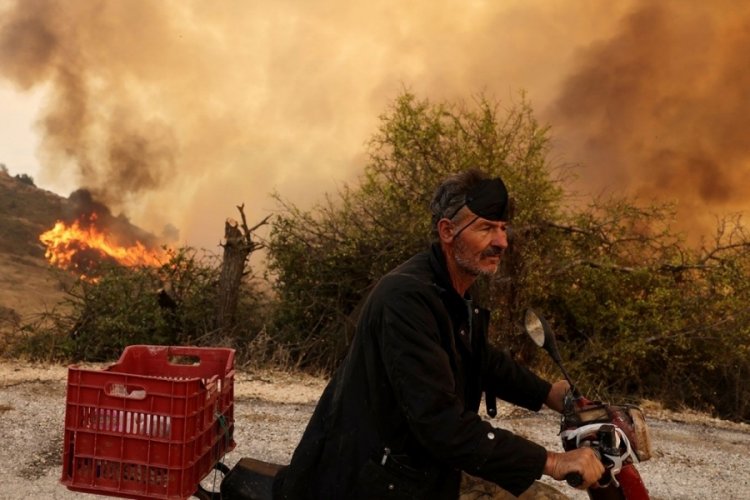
(92, 126)
(176, 111)
(661, 111)
(84, 209)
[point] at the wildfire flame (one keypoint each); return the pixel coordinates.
(67, 243)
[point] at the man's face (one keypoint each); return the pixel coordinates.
(477, 249)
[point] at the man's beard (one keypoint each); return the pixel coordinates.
(471, 267)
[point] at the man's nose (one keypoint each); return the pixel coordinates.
(500, 238)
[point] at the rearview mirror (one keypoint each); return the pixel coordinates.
(542, 335)
(534, 328)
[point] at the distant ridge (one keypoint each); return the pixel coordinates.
(28, 285)
(25, 212)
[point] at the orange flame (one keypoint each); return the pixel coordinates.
(64, 242)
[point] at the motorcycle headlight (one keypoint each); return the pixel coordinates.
(641, 434)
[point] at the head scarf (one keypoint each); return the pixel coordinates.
(489, 199)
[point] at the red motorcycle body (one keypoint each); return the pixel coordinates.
(631, 487)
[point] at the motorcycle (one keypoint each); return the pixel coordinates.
(618, 434)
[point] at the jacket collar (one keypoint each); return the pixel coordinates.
(442, 277)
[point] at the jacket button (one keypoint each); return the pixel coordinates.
(462, 332)
(476, 311)
(490, 435)
(391, 487)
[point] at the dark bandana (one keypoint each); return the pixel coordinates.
(489, 200)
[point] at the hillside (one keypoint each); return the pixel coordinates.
(27, 284)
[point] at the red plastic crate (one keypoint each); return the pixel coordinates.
(150, 426)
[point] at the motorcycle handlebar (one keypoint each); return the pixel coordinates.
(574, 479)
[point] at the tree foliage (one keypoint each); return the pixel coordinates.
(172, 304)
(325, 259)
(638, 311)
(648, 315)
(25, 179)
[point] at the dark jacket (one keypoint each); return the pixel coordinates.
(412, 383)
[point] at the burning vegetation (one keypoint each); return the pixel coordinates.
(81, 247)
(92, 236)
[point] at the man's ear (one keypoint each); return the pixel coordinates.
(445, 230)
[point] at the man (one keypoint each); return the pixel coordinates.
(399, 419)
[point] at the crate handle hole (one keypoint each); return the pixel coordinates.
(185, 360)
(126, 391)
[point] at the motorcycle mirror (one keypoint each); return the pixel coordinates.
(534, 328)
(540, 332)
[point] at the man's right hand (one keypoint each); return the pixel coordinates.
(582, 460)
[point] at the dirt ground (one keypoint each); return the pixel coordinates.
(696, 457)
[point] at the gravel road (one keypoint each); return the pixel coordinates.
(696, 457)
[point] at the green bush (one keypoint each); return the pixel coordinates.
(638, 311)
(641, 314)
(25, 179)
(325, 260)
(173, 304)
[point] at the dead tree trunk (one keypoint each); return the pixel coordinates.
(238, 245)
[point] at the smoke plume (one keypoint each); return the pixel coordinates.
(86, 211)
(661, 110)
(176, 111)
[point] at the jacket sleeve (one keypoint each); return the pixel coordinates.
(419, 370)
(513, 382)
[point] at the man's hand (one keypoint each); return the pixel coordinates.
(583, 461)
(556, 395)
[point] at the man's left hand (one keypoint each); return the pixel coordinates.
(556, 395)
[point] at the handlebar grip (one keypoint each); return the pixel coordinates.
(574, 479)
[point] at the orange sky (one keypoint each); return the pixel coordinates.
(176, 111)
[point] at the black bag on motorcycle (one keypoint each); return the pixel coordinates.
(250, 479)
